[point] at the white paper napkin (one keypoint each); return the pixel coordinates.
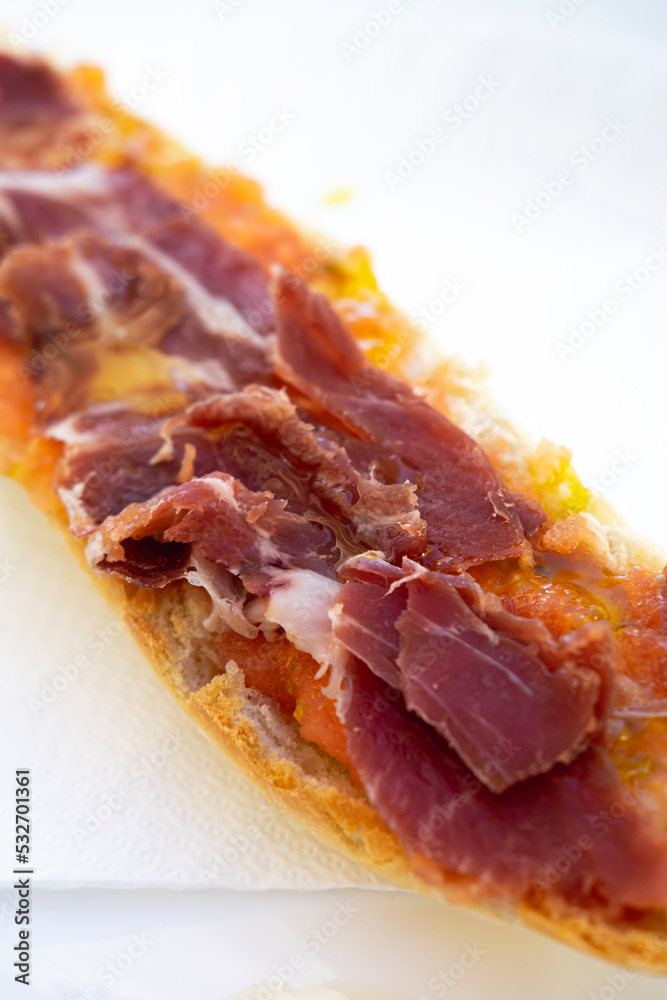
(125, 789)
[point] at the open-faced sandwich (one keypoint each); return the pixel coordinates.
(417, 634)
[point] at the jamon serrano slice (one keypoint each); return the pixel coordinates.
(471, 517)
(474, 678)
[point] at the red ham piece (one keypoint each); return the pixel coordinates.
(256, 436)
(482, 688)
(212, 530)
(364, 512)
(30, 93)
(250, 534)
(470, 515)
(145, 276)
(221, 268)
(123, 201)
(37, 217)
(134, 203)
(532, 516)
(364, 619)
(151, 562)
(577, 832)
(146, 302)
(37, 116)
(108, 462)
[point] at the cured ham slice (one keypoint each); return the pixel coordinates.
(258, 437)
(380, 515)
(211, 527)
(142, 276)
(38, 117)
(39, 206)
(577, 831)
(482, 688)
(484, 691)
(471, 517)
(251, 534)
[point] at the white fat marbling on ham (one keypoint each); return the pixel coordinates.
(218, 315)
(227, 597)
(301, 601)
(85, 207)
(86, 179)
(76, 511)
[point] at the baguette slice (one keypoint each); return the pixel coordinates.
(56, 125)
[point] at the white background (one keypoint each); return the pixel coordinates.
(354, 117)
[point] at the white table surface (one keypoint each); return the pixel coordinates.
(213, 945)
(354, 116)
